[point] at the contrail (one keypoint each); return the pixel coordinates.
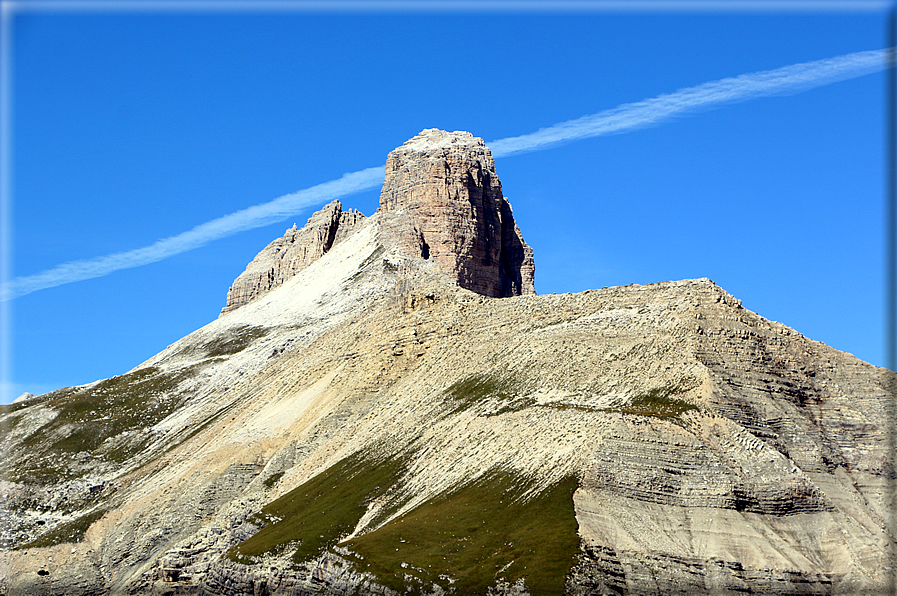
(239, 221)
(631, 116)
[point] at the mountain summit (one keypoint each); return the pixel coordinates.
(445, 185)
(386, 407)
(441, 200)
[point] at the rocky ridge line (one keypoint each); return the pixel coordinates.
(293, 252)
(714, 451)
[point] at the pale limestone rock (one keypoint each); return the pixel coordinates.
(296, 250)
(715, 451)
(25, 396)
(441, 200)
(446, 186)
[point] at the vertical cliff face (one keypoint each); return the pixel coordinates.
(441, 200)
(290, 254)
(445, 182)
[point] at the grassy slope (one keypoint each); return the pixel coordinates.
(72, 531)
(316, 514)
(88, 417)
(105, 421)
(477, 535)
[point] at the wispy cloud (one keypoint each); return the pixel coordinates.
(631, 116)
(239, 221)
(787, 80)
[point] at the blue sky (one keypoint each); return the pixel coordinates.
(130, 127)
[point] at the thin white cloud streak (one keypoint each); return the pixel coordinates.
(228, 225)
(787, 80)
(648, 112)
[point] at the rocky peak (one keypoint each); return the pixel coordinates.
(445, 185)
(293, 252)
(441, 200)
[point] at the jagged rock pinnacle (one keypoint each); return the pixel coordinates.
(441, 200)
(446, 183)
(293, 252)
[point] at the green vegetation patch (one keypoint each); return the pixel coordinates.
(272, 479)
(10, 422)
(506, 393)
(13, 408)
(39, 399)
(72, 531)
(659, 403)
(86, 418)
(237, 340)
(316, 514)
(478, 535)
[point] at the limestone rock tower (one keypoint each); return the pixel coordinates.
(445, 182)
(441, 200)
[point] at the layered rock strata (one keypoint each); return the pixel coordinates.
(457, 216)
(290, 254)
(368, 425)
(716, 452)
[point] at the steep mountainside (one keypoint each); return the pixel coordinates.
(364, 423)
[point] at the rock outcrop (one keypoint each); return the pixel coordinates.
(290, 254)
(25, 396)
(441, 200)
(445, 182)
(369, 427)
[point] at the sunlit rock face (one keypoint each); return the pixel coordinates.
(290, 254)
(446, 183)
(359, 422)
(441, 200)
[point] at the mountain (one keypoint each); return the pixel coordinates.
(385, 406)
